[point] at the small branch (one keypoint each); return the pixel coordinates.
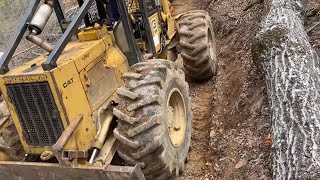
(313, 11)
(37, 54)
(21, 52)
(310, 29)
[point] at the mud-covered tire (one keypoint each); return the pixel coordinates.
(197, 45)
(142, 113)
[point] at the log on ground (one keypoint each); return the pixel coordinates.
(291, 68)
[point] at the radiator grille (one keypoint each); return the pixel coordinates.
(37, 112)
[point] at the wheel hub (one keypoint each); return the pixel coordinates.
(176, 118)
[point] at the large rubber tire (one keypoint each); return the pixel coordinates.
(142, 129)
(197, 45)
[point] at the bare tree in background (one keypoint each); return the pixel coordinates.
(11, 12)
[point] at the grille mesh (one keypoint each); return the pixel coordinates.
(38, 114)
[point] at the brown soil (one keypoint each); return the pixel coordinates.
(231, 121)
(312, 23)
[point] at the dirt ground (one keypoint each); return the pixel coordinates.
(312, 23)
(231, 121)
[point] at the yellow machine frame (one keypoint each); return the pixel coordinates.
(71, 82)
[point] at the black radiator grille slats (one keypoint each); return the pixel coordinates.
(37, 112)
(39, 115)
(45, 112)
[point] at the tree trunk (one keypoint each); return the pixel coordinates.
(292, 73)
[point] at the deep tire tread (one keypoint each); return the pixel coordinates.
(143, 127)
(155, 144)
(144, 142)
(125, 92)
(124, 140)
(193, 29)
(124, 117)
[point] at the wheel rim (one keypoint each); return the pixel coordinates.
(176, 118)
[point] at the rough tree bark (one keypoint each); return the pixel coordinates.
(292, 73)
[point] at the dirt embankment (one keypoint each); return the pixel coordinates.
(231, 121)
